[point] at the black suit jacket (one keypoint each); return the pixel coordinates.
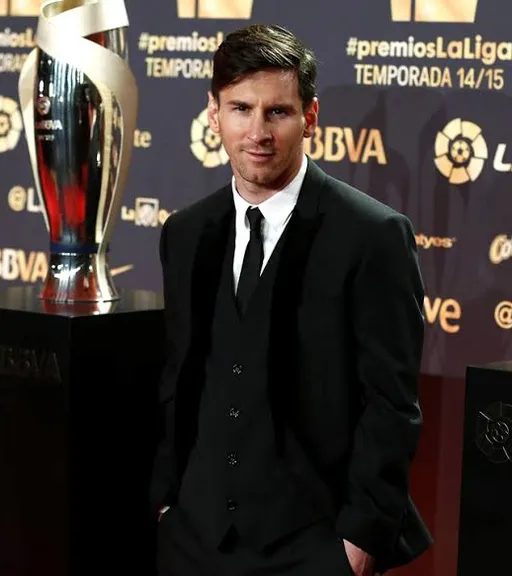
(344, 357)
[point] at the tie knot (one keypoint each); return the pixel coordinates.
(255, 217)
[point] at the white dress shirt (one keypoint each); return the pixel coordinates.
(276, 210)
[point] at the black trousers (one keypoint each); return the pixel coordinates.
(312, 551)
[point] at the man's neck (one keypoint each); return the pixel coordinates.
(256, 194)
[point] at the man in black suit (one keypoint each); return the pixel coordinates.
(295, 330)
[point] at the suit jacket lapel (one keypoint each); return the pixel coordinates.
(205, 276)
(207, 266)
(301, 230)
(299, 236)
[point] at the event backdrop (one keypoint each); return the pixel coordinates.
(414, 110)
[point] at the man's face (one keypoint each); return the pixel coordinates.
(262, 123)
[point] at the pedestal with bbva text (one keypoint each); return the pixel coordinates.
(78, 389)
(486, 493)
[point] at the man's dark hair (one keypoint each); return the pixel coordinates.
(263, 47)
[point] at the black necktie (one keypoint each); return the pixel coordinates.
(253, 260)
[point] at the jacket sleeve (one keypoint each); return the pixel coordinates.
(164, 482)
(388, 325)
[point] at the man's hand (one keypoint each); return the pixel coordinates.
(361, 562)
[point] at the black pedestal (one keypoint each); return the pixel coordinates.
(78, 391)
(485, 534)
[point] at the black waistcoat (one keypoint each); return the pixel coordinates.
(235, 475)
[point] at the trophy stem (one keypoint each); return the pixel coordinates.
(78, 278)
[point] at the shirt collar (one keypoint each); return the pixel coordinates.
(278, 207)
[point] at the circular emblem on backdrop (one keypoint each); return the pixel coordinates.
(43, 105)
(494, 432)
(11, 124)
(206, 145)
(17, 198)
(460, 151)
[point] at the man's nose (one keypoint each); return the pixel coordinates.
(260, 130)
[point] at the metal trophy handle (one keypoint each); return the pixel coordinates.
(79, 102)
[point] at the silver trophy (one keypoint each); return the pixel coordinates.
(79, 101)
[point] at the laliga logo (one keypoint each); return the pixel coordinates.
(20, 7)
(206, 145)
(461, 11)
(226, 9)
(11, 124)
(147, 213)
(460, 151)
(494, 432)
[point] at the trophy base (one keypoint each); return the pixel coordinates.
(78, 278)
(485, 521)
(79, 429)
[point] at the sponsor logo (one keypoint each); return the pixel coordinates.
(460, 151)
(205, 144)
(336, 144)
(503, 315)
(146, 213)
(20, 7)
(501, 249)
(427, 242)
(17, 264)
(461, 11)
(29, 363)
(445, 311)
(226, 9)
(11, 124)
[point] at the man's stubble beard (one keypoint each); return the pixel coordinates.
(261, 177)
(272, 174)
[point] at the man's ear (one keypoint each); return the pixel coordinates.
(311, 116)
(213, 113)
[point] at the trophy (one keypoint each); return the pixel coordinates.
(79, 102)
